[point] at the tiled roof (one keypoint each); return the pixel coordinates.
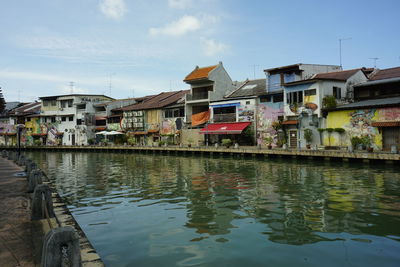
(250, 88)
(386, 74)
(380, 102)
(30, 108)
(199, 73)
(336, 75)
(385, 123)
(157, 101)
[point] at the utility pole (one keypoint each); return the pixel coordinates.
(374, 59)
(340, 48)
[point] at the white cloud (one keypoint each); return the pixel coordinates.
(212, 47)
(180, 4)
(114, 9)
(180, 27)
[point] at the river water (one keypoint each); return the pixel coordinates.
(153, 210)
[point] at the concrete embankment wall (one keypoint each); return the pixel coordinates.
(234, 152)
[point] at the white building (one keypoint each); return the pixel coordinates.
(69, 119)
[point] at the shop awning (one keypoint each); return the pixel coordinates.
(138, 133)
(225, 128)
(290, 122)
(386, 123)
(38, 134)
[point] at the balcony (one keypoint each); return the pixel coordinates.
(226, 117)
(197, 96)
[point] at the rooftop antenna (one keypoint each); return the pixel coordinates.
(340, 48)
(19, 95)
(254, 70)
(71, 86)
(374, 59)
(110, 83)
(133, 92)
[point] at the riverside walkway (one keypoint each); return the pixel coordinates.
(16, 246)
(22, 238)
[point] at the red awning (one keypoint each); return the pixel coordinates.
(225, 128)
(386, 123)
(290, 122)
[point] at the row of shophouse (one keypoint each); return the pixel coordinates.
(296, 106)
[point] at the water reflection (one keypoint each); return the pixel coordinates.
(182, 208)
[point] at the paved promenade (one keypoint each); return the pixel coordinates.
(16, 248)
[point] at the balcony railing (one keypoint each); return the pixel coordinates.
(197, 96)
(227, 117)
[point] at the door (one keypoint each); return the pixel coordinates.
(73, 139)
(391, 136)
(293, 139)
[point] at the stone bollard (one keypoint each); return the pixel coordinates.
(42, 202)
(61, 248)
(10, 155)
(35, 179)
(30, 167)
(21, 160)
(28, 161)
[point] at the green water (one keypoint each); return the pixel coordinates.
(145, 210)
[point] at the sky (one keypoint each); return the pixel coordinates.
(133, 48)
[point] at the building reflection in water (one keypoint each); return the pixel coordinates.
(297, 202)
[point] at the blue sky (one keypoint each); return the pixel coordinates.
(148, 46)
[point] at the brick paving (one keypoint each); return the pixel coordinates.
(16, 247)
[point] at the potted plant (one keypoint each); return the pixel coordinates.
(37, 142)
(367, 142)
(308, 135)
(131, 141)
(329, 130)
(321, 131)
(268, 140)
(226, 142)
(190, 141)
(355, 142)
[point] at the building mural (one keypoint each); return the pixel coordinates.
(168, 127)
(246, 113)
(266, 116)
(358, 123)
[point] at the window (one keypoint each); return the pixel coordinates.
(266, 98)
(174, 113)
(53, 119)
(63, 118)
(28, 119)
(310, 92)
(79, 122)
(45, 103)
(53, 103)
(294, 97)
(278, 98)
(247, 102)
(337, 92)
(71, 118)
